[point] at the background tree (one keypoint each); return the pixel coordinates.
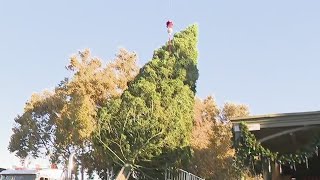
(150, 125)
(213, 156)
(62, 121)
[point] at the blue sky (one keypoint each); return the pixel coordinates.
(265, 54)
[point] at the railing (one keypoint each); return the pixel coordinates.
(180, 174)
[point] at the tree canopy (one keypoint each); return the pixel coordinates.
(213, 153)
(59, 122)
(115, 115)
(150, 124)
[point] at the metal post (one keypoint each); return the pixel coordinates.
(70, 166)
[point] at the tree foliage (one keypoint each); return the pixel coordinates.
(112, 115)
(61, 121)
(150, 124)
(213, 156)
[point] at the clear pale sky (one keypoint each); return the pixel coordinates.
(265, 54)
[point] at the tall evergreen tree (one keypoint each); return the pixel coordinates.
(150, 125)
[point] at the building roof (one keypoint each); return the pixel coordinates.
(294, 130)
(282, 120)
(51, 173)
(16, 172)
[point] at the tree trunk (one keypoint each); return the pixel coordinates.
(82, 172)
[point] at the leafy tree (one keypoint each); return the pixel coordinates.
(232, 110)
(34, 129)
(150, 125)
(61, 121)
(213, 156)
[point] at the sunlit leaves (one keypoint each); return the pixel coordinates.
(62, 121)
(211, 141)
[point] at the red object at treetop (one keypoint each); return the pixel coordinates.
(169, 27)
(169, 24)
